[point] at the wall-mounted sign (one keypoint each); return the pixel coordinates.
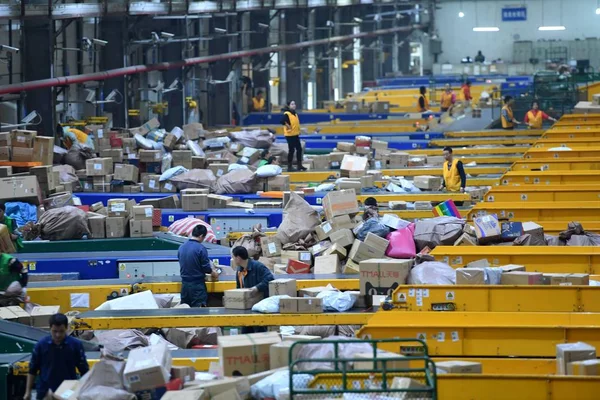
(514, 14)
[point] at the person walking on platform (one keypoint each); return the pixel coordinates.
(423, 104)
(454, 177)
(291, 130)
(193, 266)
(535, 117)
(55, 358)
(507, 117)
(251, 274)
(448, 99)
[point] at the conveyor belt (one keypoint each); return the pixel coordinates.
(551, 177)
(535, 193)
(213, 316)
(491, 133)
(19, 331)
(566, 164)
(474, 151)
(484, 141)
(575, 152)
(540, 211)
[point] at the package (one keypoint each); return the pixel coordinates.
(99, 166)
(428, 182)
(97, 227)
(140, 229)
(271, 247)
(303, 256)
(21, 154)
(300, 305)
(511, 230)
(327, 265)
(567, 353)
(299, 220)
(126, 172)
(470, 276)
(382, 276)
(148, 367)
(512, 268)
(566, 279)
(343, 237)
(240, 299)
(336, 250)
(370, 363)
(142, 213)
(280, 287)
(521, 278)
(22, 138)
(193, 201)
(120, 207)
(340, 203)
(5, 139)
(116, 227)
(361, 251)
(280, 354)
(151, 183)
(185, 373)
(68, 390)
(5, 153)
(278, 183)
(43, 150)
(584, 368)
(465, 240)
(353, 166)
(324, 230)
(319, 248)
(23, 317)
(533, 229)
(246, 354)
(378, 243)
(487, 228)
(218, 201)
(297, 267)
(40, 315)
(150, 156)
(459, 367)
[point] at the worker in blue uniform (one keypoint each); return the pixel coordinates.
(193, 267)
(251, 274)
(55, 358)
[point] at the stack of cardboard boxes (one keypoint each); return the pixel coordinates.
(39, 316)
(26, 146)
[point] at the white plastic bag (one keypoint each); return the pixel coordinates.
(336, 301)
(270, 305)
(233, 167)
(347, 349)
(195, 148)
(271, 386)
(325, 187)
(167, 161)
(143, 143)
(268, 171)
(171, 172)
(432, 273)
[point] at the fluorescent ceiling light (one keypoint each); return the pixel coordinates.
(486, 29)
(598, 11)
(461, 14)
(551, 28)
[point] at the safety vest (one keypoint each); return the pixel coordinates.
(6, 277)
(507, 123)
(294, 129)
(451, 177)
(258, 104)
(11, 225)
(536, 120)
(446, 101)
(425, 102)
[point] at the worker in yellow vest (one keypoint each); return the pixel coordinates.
(507, 117)
(291, 130)
(455, 179)
(535, 117)
(72, 137)
(448, 99)
(258, 102)
(423, 105)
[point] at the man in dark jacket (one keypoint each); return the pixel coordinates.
(251, 274)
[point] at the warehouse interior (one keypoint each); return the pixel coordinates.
(299, 199)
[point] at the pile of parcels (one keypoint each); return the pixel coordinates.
(26, 146)
(33, 315)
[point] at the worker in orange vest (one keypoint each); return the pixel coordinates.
(448, 99)
(535, 117)
(507, 117)
(423, 105)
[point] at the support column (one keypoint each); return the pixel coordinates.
(112, 56)
(337, 77)
(173, 52)
(281, 26)
(311, 84)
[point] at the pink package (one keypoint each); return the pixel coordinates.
(402, 243)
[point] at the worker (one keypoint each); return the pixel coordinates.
(507, 117)
(466, 89)
(371, 209)
(55, 358)
(535, 117)
(258, 102)
(72, 137)
(13, 275)
(423, 102)
(479, 58)
(11, 224)
(251, 274)
(193, 266)
(267, 159)
(291, 130)
(454, 177)
(448, 99)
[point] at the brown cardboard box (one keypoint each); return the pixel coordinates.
(151, 183)
(327, 265)
(22, 138)
(140, 229)
(343, 237)
(142, 213)
(566, 279)
(148, 367)
(99, 166)
(487, 228)
(340, 203)
(395, 361)
(43, 149)
(40, 315)
(193, 201)
(459, 367)
(376, 242)
(219, 169)
(5, 153)
(150, 156)
(278, 183)
(218, 201)
(101, 180)
(353, 166)
(314, 291)
(512, 268)
(567, 353)
(271, 247)
(382, 276)
(129, 146)
(120, 207)
(215, 389)
(182, 158)
(303, 256)
(68, 390)
(193, 131)
(198, 162)
(398, 160)
(321, 163)
(349, 183)
(115, 154)
(521, 278)
(428, 182)
(240, 299)
(300, 305)
(21, 188)
(246, 354)
(127, 172)
(470, 276)
(279, 287)
(97, 227)
(168, 202)
(346, 146)
(337, 250)
(147, 127)
(361, 251)
(584, 368)
(5, 139)
(319, 248)
(170, 141)
(280, 354)
(342, 222)
(101, 187)
(167, 187)
(22, 154)
(23, 317)
(116, 227)
(466, 240)
(185, 373)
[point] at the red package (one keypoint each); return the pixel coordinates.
(297, 267)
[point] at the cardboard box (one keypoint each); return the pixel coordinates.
(300, 305)
(303, 256)
(470, 276)
(193, 201)
(378, 243)
(487, 228)
(584, 368)
(395, 361)
(521, 278)
(182, 158)
(167, 187)
(151, 183)
(231, 394)
(116, 227)
(398, 160)
(40, 315)
(217, 388)
(271, 247)
(361, 251)
(280, 354)
(240, 299)
(315, 291)
(340, 203)
(5, 140)
(185, 373)
(23, 188)
(246, 354)
(382, 276)
(188, 394)
(511, 230)
(427, 182)
(97, 227)
(327, 265)
(324, 230)
(280, 287)
(68, 390)
(319, 248)
(99, 166)
(512, 268)
(279, 183)
(5, 153)
(127, 173)
(353, 166)
(466, 240)
(22, 139)
(459, 367)
(343, 237)
(21, 154)
(349, 183)
(140, 229)
(43, 150)
(218, 201)
(120, 208)
(148, 367)
(150, 156)
(297, 267)
(23, 317)
(533, 229)
(566, 279)
(567, 353)
(142, 213)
